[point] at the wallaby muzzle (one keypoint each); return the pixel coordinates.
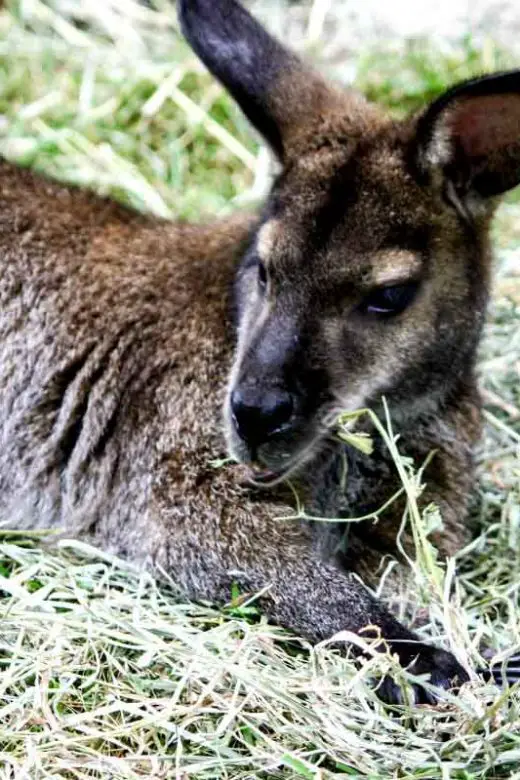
(258, 414)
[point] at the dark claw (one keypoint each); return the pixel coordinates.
(506, 673)
(444, 671)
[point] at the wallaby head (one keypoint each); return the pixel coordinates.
(368, 273)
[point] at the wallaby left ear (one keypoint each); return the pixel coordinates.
(472, 135)
(278, 94)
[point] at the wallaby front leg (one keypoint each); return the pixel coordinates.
(318, 600)
(241, 542)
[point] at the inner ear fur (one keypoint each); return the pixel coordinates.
(472, 134)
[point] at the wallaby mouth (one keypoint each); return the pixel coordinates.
(261, 415)
(271, 452)
(274, 465)
(263, 476)
(271, 458)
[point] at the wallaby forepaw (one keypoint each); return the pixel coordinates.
(506, 673)
(443, 670)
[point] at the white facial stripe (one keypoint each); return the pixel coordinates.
(266, 239)
(395, 267)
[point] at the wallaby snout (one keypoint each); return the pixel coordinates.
(273, 398)
(260, 414)
(270, 396)
(266, 423)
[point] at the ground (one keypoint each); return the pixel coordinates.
(103, 673)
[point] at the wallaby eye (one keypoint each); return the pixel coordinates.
(262, 275)
(387, 301)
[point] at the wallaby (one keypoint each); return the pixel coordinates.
(366, 274)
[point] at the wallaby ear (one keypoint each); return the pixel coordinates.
(270, 84)
(472, 135)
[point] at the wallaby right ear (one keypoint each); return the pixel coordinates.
(471, 134)
(273, 88)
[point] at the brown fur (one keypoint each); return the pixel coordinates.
(116, 344)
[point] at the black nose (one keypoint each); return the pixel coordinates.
(258, 415)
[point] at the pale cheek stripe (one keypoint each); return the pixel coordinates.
(265, 239)
(395, 268)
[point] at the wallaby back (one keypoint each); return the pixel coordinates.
(367, 273)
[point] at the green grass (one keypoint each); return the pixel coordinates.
(106, 674)
(405, 76)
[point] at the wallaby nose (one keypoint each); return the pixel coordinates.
(259, 415)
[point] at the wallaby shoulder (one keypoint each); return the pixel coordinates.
(99, 305)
